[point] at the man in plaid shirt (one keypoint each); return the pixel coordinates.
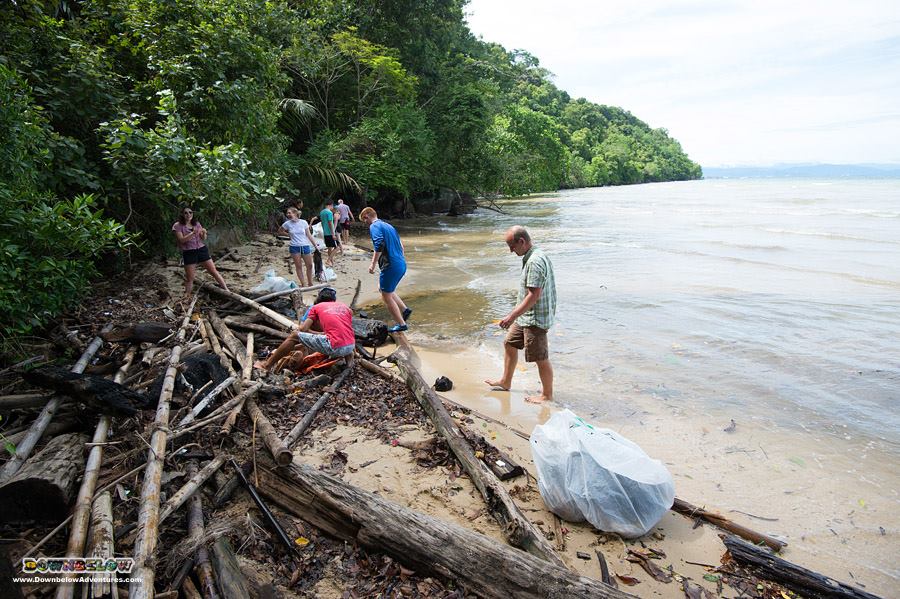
(533, 315)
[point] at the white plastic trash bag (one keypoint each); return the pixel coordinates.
(595, 474)
(272, 283)
(328, 274)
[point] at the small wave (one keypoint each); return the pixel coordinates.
(749, 246)
(827, 235)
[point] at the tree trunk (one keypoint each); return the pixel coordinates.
(43, 488)
(803, 581)
(102, 545)
(479, 564)
(519, 531)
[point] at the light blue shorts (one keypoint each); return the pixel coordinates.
(303, 250)
(321, 344)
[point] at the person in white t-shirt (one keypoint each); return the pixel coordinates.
(302, 245)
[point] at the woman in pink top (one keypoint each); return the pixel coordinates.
(190, 234)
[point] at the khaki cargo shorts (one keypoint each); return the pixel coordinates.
(532, 339)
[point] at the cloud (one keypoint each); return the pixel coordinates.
(733, 81)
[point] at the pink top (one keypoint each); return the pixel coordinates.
(337, 322)
(194, 243)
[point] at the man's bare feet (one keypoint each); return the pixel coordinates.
(538, 399)
(497, 385)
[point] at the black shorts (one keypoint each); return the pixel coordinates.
(329, 241)
(338, 228)
(198, 256)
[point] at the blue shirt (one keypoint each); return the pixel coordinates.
(385, 240)
(327, 218)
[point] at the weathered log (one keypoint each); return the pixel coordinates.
(102, 545)
(803, 581)
(376, 369)
(267, 312)
(246, 374)
(307, 419)
(105, 396)
(519, 531)
(248, 360)
(23, 400)
(227, 337)
(500, 463)
(59, 426)
(202, 404)
(482, 565)
(81, 514)
(43, 488)
(190, 590)
(280, 451)
(232, 582)
(223, 495)
(202, 566)
(143, 574)
(275, 294)
(258, 328)
(36, 431)
(220, 412)
(139, 333)
(692, 511)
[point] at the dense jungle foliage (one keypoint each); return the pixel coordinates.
(115, 112)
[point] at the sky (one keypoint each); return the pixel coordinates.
(756, 82)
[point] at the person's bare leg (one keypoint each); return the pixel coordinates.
(298, 267)
(400, 303)
(211, 269)
(331, 257)
(393, 308)
(189, 271)
(308, 260)
(545, 371)
(286, 347)
(510, 359)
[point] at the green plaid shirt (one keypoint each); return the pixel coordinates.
(537, 271)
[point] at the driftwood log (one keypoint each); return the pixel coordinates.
(23, 400)
(519, 531)
(141, 332)
(683, 507)
(232, 582)
(279, 450)
(485, 567)
(202, 565)
(803, 581)
(307, 419)
(43, 488)
(36, 431)
(257, 328)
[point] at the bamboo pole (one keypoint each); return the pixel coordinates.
(279, 450)
(201, 405)
(227, 337)
(36, 431)
(247, 326)
(202, 566)
(102, 546)
(81, 515)
(301, 426)
(143, 577)
(247, 373)
(267, 312)
(275, 294)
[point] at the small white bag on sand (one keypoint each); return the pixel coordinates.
(595, 474)
(272, 283)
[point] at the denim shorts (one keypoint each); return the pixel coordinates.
(303, 250)
(321, 344)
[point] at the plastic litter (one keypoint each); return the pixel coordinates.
(272, 283)
(595, 474)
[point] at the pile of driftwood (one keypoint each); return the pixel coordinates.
(186, 422)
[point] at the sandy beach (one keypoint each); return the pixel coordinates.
(743, 474)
